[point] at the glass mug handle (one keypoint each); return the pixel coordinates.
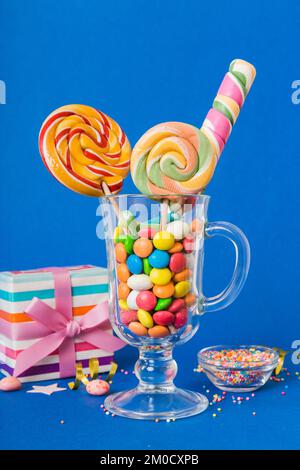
(241, 268)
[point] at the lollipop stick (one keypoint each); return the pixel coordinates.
(164, 207)
(107, 192)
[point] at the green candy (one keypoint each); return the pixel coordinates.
(147, 266)
(120, 238)
(128, 242)
(162, 304)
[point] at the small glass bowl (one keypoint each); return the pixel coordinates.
(238, 368)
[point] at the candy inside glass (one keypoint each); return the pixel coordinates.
(155, 249)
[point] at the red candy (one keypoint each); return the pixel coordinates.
(164, 318)
(177, 262)
(188, 244)
(147, 232)
(180, 318)
(176, 305)
(128, 316)
(146, 300)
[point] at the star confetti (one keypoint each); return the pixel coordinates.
(46, 390)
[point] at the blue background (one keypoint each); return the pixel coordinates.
(142, 63)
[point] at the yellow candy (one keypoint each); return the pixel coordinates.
(181, 289)
(145, 318)
(163, 240)
(117, 233)
(160, 277)
(123, 305)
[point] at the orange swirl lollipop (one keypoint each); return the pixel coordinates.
(85, 150)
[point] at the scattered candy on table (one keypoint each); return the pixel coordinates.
(97, 387)
(10, 384)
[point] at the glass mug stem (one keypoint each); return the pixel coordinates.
(155, 369)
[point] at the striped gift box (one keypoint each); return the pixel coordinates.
(18, 331)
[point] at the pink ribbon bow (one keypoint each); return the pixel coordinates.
(65, 329)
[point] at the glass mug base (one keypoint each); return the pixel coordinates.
(156, 404)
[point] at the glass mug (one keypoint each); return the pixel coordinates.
(155, 253)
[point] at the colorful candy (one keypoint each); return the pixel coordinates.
(97, 387)
(10, 384)
(164, 317)
(179, 229)
(176, 248)
(159, 259)
(180, 318)
(176, 305)
(128, 242)
(145, 318)
(182, 275)
(123, 291)
(189, 299)
(128, 316)
(135, 264)
(143, 247)
(123, 272)
(147, 266)
(182, 288)
(147, 232)
(158, 331)
(131, 299)
(84, 148)
(189, 244)
(123, 305)
(163, 304)
(146, 300)
(138, 329)
(139, 282)
(163, 240)
(177, 262)
(163, 292)
(240, 368)
(160, 277)
(154, 285)
(177, 158)
(121, 253)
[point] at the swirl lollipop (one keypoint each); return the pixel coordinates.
(85, 150)
(177, 158)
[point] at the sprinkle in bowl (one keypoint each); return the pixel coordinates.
(238, 368)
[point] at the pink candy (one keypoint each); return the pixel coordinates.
(147, 232)
(97, 387)
(188, 244)
(128, 316)
(10, 384)
(176, 305)
(164, 318)
(180, 318)
(177, 262)
(146, 300)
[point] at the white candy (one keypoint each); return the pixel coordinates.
(179, 229)
(131, 300)
(139, 282)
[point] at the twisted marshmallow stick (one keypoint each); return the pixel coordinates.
(177, 158)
